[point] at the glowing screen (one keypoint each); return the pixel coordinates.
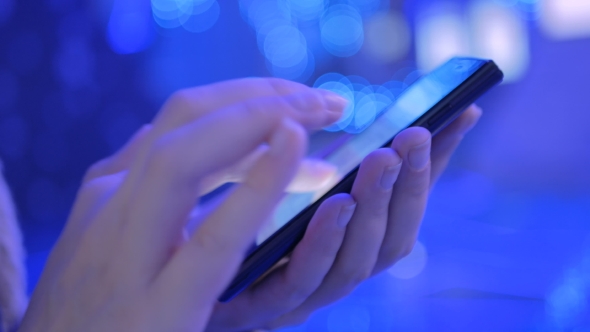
(346, 151)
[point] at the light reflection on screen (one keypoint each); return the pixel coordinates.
(346, 151)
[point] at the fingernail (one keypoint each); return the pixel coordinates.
(389, 176)
(419, 156)
(345, 215)
(334, 102)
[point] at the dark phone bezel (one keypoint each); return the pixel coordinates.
(284, 240)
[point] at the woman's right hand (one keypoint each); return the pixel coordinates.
(124, 261)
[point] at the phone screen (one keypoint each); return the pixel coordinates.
(347, 149)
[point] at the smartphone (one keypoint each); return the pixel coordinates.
(433, 101)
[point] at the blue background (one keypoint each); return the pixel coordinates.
(506, 237)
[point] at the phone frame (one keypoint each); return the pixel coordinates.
(283, 241)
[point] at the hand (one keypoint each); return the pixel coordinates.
(124, 261)
(383, 212)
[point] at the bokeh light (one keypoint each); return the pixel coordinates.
(341, 85)
(411, 265)
(130, 27)
(307, 10)
(342, 30)
(366, 101)
(500, 34)
(570, 299)
(279, 38)
(285, 48)
(193, 15)
(566, 19)
(492, 30)
(441, 34)
(200, 19)
(387, 36)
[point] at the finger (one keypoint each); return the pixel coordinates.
(162, 191)
(187, 105)
(121, 160)
(287, 287)
(206, 264)
(409, 198)
(89, 201)
(446, 142)
(358, 254)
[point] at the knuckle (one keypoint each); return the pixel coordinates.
(182, 104)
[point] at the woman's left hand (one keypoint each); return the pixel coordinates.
(390, 192)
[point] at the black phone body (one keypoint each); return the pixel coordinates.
(443, 94)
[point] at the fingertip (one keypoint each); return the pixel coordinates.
(334, 102)
(337, 211)
(340, 200)
(411, 137)
(466, 122)
(472, 116)
(383, 159)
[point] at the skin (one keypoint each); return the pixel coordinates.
(126, 262)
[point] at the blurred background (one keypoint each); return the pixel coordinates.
(505, 245)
